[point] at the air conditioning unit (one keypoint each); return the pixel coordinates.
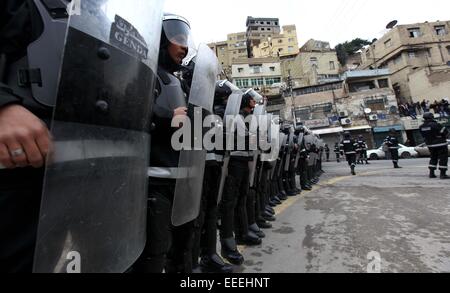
(343, 114)
(346, 121)
(373, 117)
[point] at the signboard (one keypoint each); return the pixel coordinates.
(317, 123)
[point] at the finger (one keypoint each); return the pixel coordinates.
(34, 156)
(20, 160)
(5, 158)
(44, 143)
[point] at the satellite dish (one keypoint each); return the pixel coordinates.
(368, 111)
(391, 24)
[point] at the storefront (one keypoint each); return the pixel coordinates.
(330, 136)
(380, 134)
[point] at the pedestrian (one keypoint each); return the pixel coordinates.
(348, 147)
(327, 152)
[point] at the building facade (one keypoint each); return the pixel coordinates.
(259, 29)
(418, 57)
(284, 44)
(316, 63)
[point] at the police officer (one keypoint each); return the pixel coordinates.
(435, 136)
(234, 228)
(337, 151)
(24, 141)
(392, 143)
(327, 152)
(205, 244)
(164, 159)
(362, 150)
(349, 146)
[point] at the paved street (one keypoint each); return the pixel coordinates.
(399, 214)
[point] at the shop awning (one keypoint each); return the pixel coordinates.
(358, 128)
(388, 128)
(328, 130)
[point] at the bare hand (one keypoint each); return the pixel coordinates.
(24, 138)
(182, 111)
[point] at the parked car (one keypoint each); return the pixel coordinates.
(425, 152)
(404, 153)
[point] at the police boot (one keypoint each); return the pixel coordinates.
(230, 252)
(215, 264)
(263, 224)
(270, 210)
(367, 163)
(396, 166)
(255, 229)
(306, 187)
(353, 170)
(432, 175)
(250, 239)
(268, 217)
(444, 175)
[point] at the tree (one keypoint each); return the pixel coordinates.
(349, 48)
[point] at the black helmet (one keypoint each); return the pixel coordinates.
(347, 134)
(428, 116)
(224, 89)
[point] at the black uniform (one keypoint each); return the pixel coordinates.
(337, 151)
(362, 151)
(21, 189)
(435, 136)
(349, 146)
(327, 152)
(392, 142)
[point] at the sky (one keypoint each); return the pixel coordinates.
(334, 21)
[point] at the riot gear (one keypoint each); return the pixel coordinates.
(348, 147)
(392, 143)
(435, 136)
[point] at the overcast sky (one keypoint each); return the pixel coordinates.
(327, 20)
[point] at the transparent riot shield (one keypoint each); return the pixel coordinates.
(289, 150)
(299, 143)
(231, 111)
(93, 210)
(188, 190)
(258, 112)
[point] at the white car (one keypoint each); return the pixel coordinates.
(404, 152)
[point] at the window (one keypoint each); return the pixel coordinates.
(448, 50)
(268, 22)
(256, 69)
(271, 81)
(276, 22)
(290, 40)
(332, 65)
(272, 68)
(290, 49)
(440, 30)
(313, 61)
(414, 32)
(263, 29)
(257, 82)
(280, 41)
(242, 83)
(383, 83)
(411, 55)
(269, 29)
(398, 59)
(261, 22)
(240, 69)
(388, 43)
(361, 86)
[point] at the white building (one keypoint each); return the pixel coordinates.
(258, 73)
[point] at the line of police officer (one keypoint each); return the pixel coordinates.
(105, 80)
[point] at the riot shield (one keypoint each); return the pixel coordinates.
(283, 140)
(93, 210)
(188, 190)
(290, 147)
(231, 111)
(299, 143)
(258, 112)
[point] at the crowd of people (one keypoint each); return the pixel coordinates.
(414, 110)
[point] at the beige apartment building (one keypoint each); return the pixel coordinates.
(222, 53)
(260, 29)
(418, 57)
(316, 63)
(284, 44)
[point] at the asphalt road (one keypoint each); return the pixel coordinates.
(383, 219)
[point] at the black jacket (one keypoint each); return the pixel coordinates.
(20, 25)
(392, 142)
(349, 146)
(435, 134)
